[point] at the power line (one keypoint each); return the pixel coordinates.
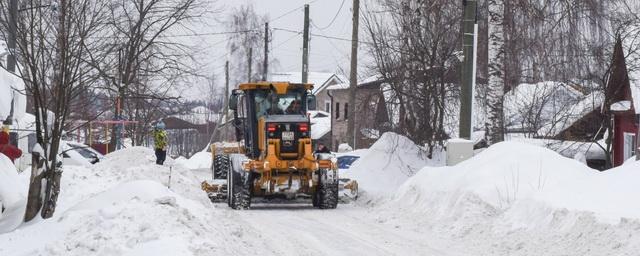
(323, 36)
(212, 33)
(332, 20)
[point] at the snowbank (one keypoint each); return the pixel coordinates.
(200, 160)
(13, 196)
(509, 175)
(387, 164)
(123, 206)
(520, 199)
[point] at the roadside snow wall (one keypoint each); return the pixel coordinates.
(544, 203)
(200, 160)
(387, 164)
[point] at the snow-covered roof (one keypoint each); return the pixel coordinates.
(573, 113)
(11, 86)
(320, 124)
(198, 115)
(345, 85)
(554, 105)
(624, 105)
(320, 80)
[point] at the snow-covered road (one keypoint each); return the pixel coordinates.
(299, 229)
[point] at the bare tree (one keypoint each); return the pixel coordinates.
(52, 43)
(140, 63)
(246, 45)
(414, 52)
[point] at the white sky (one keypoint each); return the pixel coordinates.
(326, 55)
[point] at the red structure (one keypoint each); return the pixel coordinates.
(619, 100)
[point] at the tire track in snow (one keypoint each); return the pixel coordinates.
(302, 230)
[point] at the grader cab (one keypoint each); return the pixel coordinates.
(274, 157)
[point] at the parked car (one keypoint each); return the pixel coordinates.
(345, 161)
(345, 181)
(74, 153)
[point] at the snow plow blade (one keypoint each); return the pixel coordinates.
(216, 192)
(348, 190)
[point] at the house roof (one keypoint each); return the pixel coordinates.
(618, 86)
(573, 114)
(319, 80)
(320, 124)
(372, 80)
(10, 86)
(546, 99)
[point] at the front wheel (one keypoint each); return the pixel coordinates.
(239, 185)
(326, 196)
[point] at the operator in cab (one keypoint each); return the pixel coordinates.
(295, 107)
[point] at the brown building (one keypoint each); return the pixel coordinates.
(371, 112)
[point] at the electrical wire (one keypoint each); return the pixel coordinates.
(323, 36)
(332, 20)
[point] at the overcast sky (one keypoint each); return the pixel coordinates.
(326, 55)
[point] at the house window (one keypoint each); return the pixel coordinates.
(629, 145)
(337, 110)
(327, 106)
(346, 111)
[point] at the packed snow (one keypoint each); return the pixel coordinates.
(200, 160)
(13, 196)
(545, 204)
(387, 164)
(511, 199)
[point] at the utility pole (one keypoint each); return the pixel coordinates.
(250, 60)
(469, 24)
(265, 65)
(13, 33)
(226, 88)
(222, 117)
(353, 76)
(305, 45)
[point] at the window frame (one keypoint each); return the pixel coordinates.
(629, 142)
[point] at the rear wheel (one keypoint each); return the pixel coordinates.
(326, 196)
(221, 166)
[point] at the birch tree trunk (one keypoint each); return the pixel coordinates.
(495, 95)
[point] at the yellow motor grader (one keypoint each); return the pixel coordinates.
(273, 157)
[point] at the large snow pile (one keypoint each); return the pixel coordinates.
(200, 160)
(387, 164)
(13, 196)
(531, 194)
(123, 206)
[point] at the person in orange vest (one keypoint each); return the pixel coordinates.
(11, 151)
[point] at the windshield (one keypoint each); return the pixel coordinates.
(268, 103)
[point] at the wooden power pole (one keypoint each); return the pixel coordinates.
(468, 67)
(13, 33)
(250, 63)
(225, 100)
(305, 45)
(265, 65)
(353, 77)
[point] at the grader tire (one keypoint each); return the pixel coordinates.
(221, 165)
(327, 192)
(239, 190)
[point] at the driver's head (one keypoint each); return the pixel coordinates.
(295, 104)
